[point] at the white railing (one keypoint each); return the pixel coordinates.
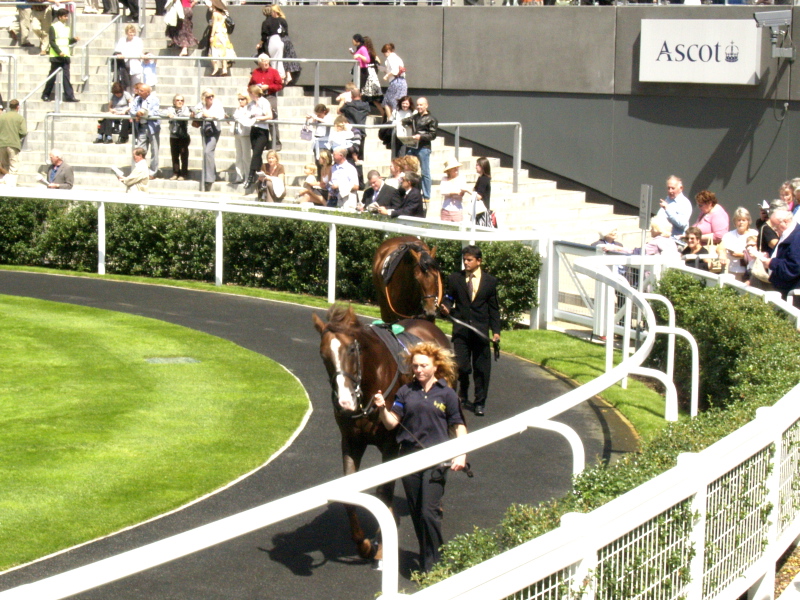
(712, 527)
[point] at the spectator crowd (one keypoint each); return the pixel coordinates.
(764, 253)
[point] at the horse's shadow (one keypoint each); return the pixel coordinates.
(328, 535)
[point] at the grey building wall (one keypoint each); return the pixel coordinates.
(570, 75)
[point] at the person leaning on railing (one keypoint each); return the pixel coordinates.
(119, 104)
(179, 137)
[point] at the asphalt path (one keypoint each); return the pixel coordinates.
(310, 556)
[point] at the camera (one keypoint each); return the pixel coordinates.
(773, 18)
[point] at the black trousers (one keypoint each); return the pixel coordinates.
(424, 492)
(56, 63)
(259, 141)
(133, 8)
(474, 357)
(179, 147)
(108, 127)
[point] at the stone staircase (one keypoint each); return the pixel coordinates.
(537, 204)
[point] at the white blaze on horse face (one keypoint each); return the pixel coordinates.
(344, 386)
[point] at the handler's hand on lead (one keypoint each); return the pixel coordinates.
(459, 463)
(378, 400)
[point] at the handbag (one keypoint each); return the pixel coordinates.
(715, 265)
(230, 25)
(306, 133)
(758, 271)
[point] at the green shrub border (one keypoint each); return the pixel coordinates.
(267, 252)
(754, 363)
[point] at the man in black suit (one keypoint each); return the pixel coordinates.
(411, 205)
(379, 194)
(472, 298)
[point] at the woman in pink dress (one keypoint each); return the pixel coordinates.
(713, 220)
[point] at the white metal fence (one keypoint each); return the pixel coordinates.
(712, 527)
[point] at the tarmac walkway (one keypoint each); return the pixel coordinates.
(310, 556)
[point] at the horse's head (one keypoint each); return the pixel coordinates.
(341, 350)
(427, 274)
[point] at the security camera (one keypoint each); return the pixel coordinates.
(773, 18)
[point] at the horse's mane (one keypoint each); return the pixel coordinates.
(343, 320)
(426, 261)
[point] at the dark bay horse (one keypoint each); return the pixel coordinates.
(412, 286)
(359, 364)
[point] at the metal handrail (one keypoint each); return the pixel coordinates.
(516, 155)
(12, 74)
(85, 62)
(203, 60)
(58, 91)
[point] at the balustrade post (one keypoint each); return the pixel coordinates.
(764, 587)
(316, 83)
(218, 264)
(331, 263)
(582, 586)
(101, 238)
(517, 158)
(697, 535)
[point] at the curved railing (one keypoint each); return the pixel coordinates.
(652, 529)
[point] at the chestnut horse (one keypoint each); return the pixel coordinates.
(359, 364)
(413, 287)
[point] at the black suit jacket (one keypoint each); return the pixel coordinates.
(388, 197)
(483, 313)
(411, 205)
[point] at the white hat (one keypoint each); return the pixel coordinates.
(450, 163)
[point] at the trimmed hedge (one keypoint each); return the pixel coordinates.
(279, 254)
(750, 356)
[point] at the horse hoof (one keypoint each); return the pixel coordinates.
(365, 549)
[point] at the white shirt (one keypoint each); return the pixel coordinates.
(132, 51)
(345, 177)
(733, 241)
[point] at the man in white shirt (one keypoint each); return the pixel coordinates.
(139, 179)
(344, 182)
(676, 208)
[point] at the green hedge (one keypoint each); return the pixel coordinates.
(279, 254)
(750, 356)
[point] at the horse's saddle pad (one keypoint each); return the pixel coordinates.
(397, 343)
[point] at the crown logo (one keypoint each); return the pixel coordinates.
(732, 53)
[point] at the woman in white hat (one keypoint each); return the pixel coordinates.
(453, 187)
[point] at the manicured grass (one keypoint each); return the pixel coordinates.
(94, 438)
(583, 361)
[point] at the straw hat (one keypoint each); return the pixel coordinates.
(451, 163)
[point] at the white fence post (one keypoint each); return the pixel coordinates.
(584, 575)
(331, 263)
(101, 238)
(219, 254)
(694, 589)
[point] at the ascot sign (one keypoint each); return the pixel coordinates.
(700, 51)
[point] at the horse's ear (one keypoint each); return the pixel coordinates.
(319, 325)
(433, 252)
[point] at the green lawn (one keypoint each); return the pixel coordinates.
(583, 361)
(95, 438)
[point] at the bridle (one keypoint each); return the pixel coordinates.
(437, 297)
(358, 393)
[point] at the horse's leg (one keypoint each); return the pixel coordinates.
(352, 453)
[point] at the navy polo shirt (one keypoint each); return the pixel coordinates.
(426, 415)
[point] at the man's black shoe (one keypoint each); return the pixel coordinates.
(71, 100)
(467, 405)
(46, 99)
(479, 410)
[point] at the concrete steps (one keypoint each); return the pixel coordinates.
(538, 204)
